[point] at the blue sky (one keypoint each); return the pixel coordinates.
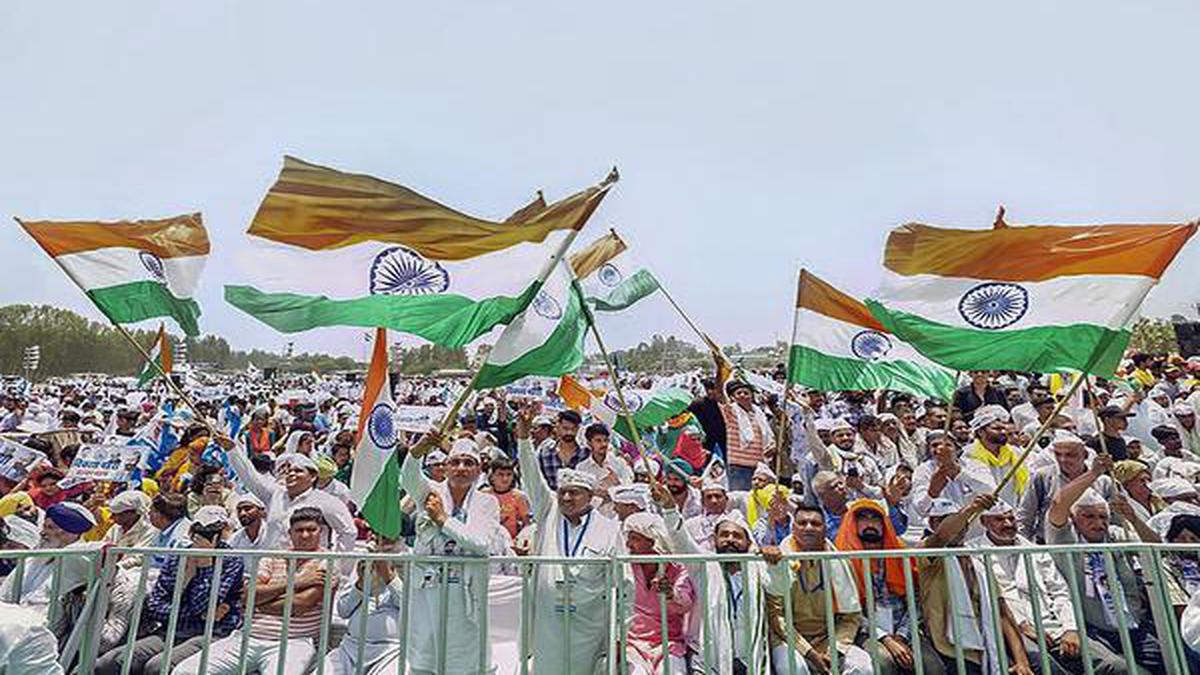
(752, 139)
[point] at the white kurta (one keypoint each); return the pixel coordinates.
(468, 532)
(383, 626)
(569, 597)
(729, 632)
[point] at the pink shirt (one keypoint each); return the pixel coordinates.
(644, 624)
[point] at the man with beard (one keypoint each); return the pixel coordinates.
(989, 425)
(676, 479)
(562, 450)
(736, 602)
(947, 475)
(1070, 462)
(956, 601)
(250, 513)
(457, 521)
(568, 527)
(805, 581)
(866, 527)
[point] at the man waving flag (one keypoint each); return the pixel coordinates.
(1036, 298)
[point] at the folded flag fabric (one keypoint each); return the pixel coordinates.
(611, 285)
(329, 248)
(838, 346)
(597, 254)
(132, 270)
(160, 353)
(1037, 298)
(375, 478)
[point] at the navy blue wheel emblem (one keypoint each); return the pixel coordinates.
(610, 275)
(632, 399)
(153, 265)
(399, 270)
(994, 305)
(546, 306)
(870, 345)
(382, 426)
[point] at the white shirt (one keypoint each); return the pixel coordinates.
(1054, 596)
(611, 463)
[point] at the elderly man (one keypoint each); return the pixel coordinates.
(1070, 462)
(568, 527)
(299, 490)
(629, 499)
(959, 582)
(866, 527)
(1189, 431)
(457, 520)
(192, 611)
(131, 528)
(989, 426)
(947, 475)
(714, 499)
(736, 602)
(62, 527)
(804, 581)
(267, 628)
(1079, 514)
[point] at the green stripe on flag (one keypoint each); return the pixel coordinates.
(381, 509)
(639, 285)
(141, 300)
(662, 406)
(448, 320)
(561, 353)
(818, 370)
(1042, 349)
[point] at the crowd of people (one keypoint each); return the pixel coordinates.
(748, 468)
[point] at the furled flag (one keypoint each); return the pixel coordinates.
(160, 353)
(610, 285)
(134, 270)
(375, 479)
(329, 248)
(649, 407)
(1038, 298)
(838, 346)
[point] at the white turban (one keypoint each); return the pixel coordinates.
(211, 515)
(464, 447)
(734, 517)
(576, 479)
(130, 500)
(1169, 488)
(987, 414)
(23, 532)
(651, 526)
(763, 470)
(1066, 438)
(943, 506)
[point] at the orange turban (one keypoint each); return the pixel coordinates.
(847, 540)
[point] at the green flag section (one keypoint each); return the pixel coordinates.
(1036, 298)
(838, 346)
(650, 408)
(160, 353)
(330, 248)
(546, 339)
(626, 292)
(375, 478)
(132, 270)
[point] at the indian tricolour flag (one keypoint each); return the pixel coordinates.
(838, 346)
(375, 479)
(611, 285)
(329, 248)
(160, 353)
(1036, 298)
(134, 270)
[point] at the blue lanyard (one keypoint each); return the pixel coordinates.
(568, 549)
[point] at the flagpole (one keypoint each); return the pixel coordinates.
(688, 320)
(1040, 432)
(170, 383)
(787, 385)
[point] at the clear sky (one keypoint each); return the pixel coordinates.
(752, 138)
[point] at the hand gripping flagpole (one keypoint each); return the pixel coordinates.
(1040, 432)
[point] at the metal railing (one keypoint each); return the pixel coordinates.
(80, 643)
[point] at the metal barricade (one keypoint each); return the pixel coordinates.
(505, 638)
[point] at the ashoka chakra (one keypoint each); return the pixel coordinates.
(399, 270)
(382, 426)
(994, 305)
(153, 265)
(546, 306)
(870, 345)
(609, 275)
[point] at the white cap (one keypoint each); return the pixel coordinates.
(435, 457)
(23, 532)
(543, 420)
(824, 424)
(1182, 409)
(1000, 508)
(735, 517)
(943, 506)
(761, 469)
(641, 465)
(1066, 438)
(576, 479)
(247, 498)
(210, 516)
(637, 494)
(464, 447)
(130, 500)
(839, 424)
(987, 414)
(1172, 487)
(296, 459)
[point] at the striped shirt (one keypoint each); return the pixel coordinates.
(737, 451)
(304, 623)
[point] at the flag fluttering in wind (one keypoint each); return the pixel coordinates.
(375, 478)
(838, 346)
(160, 353)
(649, 407)
(546, 338)
(608, 284)
(132, 270)
(329, 248)
(1038, 298)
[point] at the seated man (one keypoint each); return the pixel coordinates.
(307, 526)
(805, 580)
(192, 611)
